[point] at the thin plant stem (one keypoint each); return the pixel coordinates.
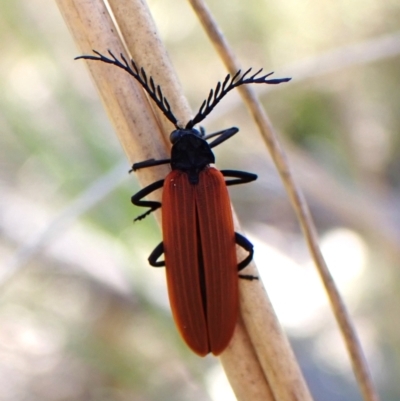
(299, 204)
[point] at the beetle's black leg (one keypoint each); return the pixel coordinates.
(248, 246)
(149, 163)
(242, 177)
(136, 199)
(158, 251)
(222, 136)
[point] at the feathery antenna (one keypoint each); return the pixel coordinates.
(207, 106)
(139, 74)
(229, 83)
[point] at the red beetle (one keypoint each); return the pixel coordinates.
(199, 241)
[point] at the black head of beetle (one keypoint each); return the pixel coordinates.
(190, 153)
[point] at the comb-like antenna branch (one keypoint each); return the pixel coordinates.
(140, 75)
(217, 89)
(155, 92)
(228, 84)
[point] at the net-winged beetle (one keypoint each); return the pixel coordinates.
(199, 241)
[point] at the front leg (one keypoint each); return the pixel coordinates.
(241, 177)
(137, 198)
(149, 163)
(222, 136)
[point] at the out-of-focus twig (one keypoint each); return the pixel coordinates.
(87, 199)
(346, 56)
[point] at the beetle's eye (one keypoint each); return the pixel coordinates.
(175, 135)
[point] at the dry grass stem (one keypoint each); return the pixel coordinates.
(142, 133)
(298, 202)
(127, 105)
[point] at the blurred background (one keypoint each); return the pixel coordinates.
(83, 316)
